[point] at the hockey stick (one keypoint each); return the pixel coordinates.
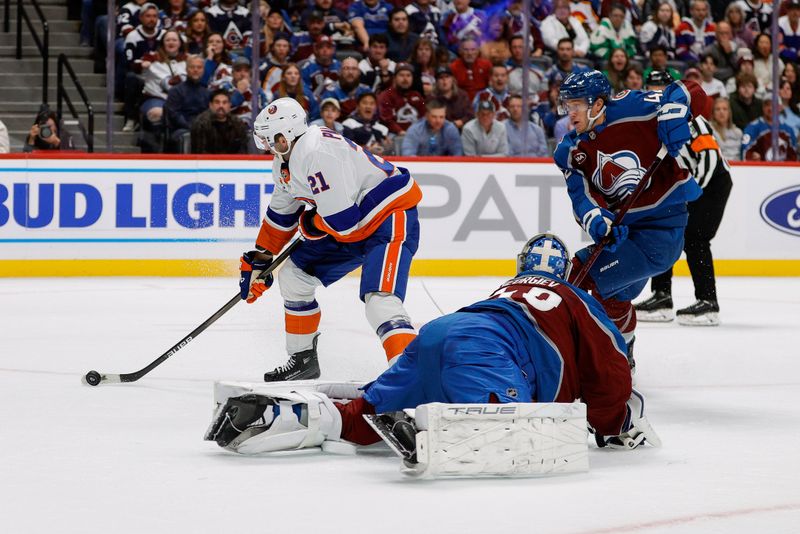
(93, 378)
(632, 198)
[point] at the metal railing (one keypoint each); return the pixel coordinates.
(62, 96)
(42, 43)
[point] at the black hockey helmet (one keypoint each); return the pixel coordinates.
(661, 78)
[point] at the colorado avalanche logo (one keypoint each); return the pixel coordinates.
(617, 174)
(272, 109)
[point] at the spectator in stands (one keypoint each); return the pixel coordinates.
(613, 32)
(45, 134)
(658, 61)
(196, 33)
(292, 85)
(746, 64)
(425, 16)
(434, 135)
(484, 135)
(762, 64)
(336, 24)
(275, 62)
(789, 114)
(659, 30)
(303, 41)
(494, 47)
(185, 101)
(565, 63)
(757, 138)
(363, 127)
(241, 93)
(680, 9)
(128, 17)
(694, 33)
(562, 25)
(536, 76)
(742, 32)
(140, 48)
(757, 15)
(634, 78)
(401, 39)
(400, 106)
(368, 17)
(176, 15)
(497, 92)
(321, 69)
(5, 145)
(348, 87)
(536, 145)
(457, 103)
(790, 74)
(726, 133)
(470, 70)
(216, 131)
(423, 59)
(232, 21)
(789, 27)
(462, 23)
(377, 70)
(274, 25)
(631, 7)
(218, 67)
(723, 51)
(512, 22)
(166, 71)
(711, 85)
(616, 67)
(745, 106)
(330, 111)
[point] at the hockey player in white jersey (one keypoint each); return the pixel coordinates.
(353, 209)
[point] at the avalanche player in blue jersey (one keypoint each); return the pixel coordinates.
(614, 140)
(537, 338)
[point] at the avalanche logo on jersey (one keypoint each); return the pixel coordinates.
(617, 174)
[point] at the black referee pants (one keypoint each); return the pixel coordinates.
(705, 216)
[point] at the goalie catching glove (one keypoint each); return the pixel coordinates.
(251, 265)
(636, 428)
(285, 420)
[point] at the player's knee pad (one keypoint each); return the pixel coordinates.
(295, 284)
(622, 314)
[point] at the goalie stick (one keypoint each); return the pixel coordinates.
(632, 198)
(93, 378)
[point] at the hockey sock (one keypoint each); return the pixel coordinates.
(354, 428)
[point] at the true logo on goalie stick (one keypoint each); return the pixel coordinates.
(483, 410)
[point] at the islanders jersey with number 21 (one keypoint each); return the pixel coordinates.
(353, 190)
(604, 165)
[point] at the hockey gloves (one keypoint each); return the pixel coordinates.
(308, 230)
(598, 224)
(673, 127)
(636, 428)
(252, 264)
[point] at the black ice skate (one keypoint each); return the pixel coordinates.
(701, 313)
(301, 366)
(656, 309)
(399, 432)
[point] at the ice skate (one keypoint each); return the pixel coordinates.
(656, 309)
(301, 366)
(701, 313)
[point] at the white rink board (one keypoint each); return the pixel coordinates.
(211, 209)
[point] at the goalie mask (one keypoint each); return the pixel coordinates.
(286, 117)
(545, 253)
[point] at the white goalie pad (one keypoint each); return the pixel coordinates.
(281, 428)
(515, 439)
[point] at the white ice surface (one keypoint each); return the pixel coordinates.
(130, 458)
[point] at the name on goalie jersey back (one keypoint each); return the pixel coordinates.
(533, 281)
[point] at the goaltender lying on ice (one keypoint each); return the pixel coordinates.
(506, 386)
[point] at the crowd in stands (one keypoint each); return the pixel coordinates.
(439, 77)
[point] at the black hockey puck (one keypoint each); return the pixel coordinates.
(93, 378)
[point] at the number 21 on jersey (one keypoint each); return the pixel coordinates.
(317, 183)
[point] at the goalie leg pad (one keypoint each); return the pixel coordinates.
(513, 439)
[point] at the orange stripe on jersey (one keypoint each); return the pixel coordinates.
(302, 324)
(406, 201)
(704, 142)
(391, 258)
(396, 344)
(271, 239)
